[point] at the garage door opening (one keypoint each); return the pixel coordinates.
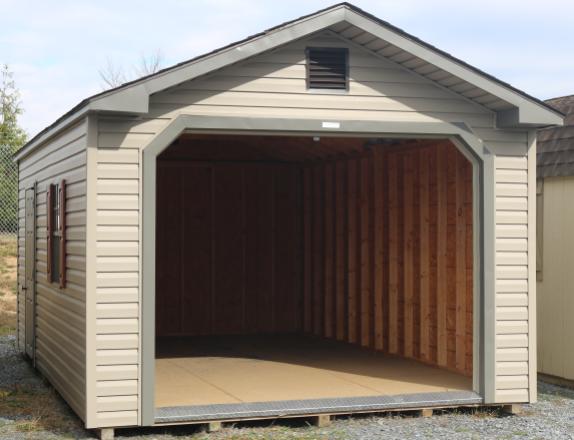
(303, 269)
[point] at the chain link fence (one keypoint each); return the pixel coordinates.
(8, 192)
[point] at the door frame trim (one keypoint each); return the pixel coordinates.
(483, 216)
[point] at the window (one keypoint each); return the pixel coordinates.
(56, 233)
(327, 68)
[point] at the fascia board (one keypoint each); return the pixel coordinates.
(529, 112)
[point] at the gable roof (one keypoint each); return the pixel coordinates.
(555, 152)
(513, 107)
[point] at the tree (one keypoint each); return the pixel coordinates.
(113, 75)
(12, 138)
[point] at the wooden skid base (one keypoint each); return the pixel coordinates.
(513, 409)
(105, 433)
(322, 420)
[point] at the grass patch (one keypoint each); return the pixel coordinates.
(36, 410)
(8, 285)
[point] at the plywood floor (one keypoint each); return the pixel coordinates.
(238, 369)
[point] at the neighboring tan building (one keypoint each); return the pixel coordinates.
(555, 263)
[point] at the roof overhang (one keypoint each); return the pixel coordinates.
(514, 109)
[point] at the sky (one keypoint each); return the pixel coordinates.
(56, 48)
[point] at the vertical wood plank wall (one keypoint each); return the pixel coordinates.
(228, 248)
(388, 253)
(373, 250)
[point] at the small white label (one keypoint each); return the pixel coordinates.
(327, 124)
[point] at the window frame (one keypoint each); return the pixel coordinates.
(56, 233)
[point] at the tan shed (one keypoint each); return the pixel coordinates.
(555, 256)
(328, 217)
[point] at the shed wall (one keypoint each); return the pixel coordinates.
(273, 85)
(60, 313)
(388, 259)
(228, 248)
(556, 288)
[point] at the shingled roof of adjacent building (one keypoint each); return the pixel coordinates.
(556, 145)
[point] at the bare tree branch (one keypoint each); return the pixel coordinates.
(114, 75)
(149, 64)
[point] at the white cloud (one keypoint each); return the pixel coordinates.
(57, 47)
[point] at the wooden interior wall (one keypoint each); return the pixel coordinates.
(387, 252)
(228, 248)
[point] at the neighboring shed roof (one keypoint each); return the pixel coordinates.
(513, 107)
(556, 145)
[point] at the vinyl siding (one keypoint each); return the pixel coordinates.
(116, 331)
(512, 329)
(60, 313)
(556, 289)
(273, 85)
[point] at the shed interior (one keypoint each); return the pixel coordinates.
(293, 268)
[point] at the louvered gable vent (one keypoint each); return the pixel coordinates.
(327, 68)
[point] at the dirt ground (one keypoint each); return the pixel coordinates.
(8, 261)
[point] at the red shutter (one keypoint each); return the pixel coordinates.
(62, 213)
(49, 230)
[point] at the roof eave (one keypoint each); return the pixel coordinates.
(133, 98)
(529, 112)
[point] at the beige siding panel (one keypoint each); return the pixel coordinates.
(511, 190)
(511, 231)
(516, 381)
(116, 418)
(117, 171)
(117, 310)
(117, 279)
(512, 313)
(512, 354)
(116, 387)
(556, 289)
(121, 140)
(117, 295)
(511, 245)
(117, 403)
(116, 325)
(117, 357)
(512, 395)
(119, 156)
(117, 248)
(322, 114)
(117, 233)
(512, 299)
(118, 186)
(117, 342)
(512, 341)
(511, 327)
(117, 218)
(117, 201)
(116, 372)
(512, 368)
(60, 313)
(511, 286)
(117, 264)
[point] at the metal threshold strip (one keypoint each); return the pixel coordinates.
(284, 408)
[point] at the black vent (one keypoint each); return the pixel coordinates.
(327, 68)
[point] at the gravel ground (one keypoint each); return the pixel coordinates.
(29, 409)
